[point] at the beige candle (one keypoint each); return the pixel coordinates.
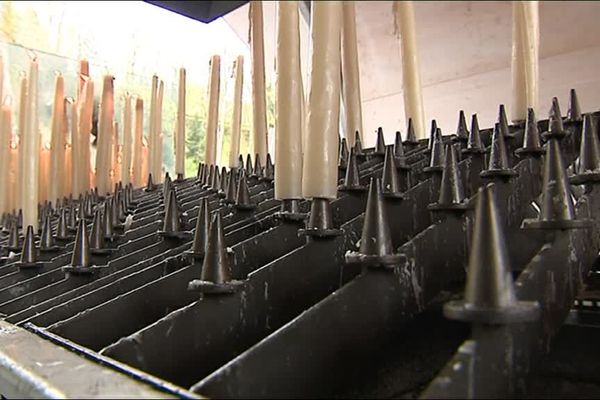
(288, 129)
(259, 105)
(180, 127)
(5, 142)
(115, 170)
(127, 142)
(212, 119)
(145, 150)
(158, 135)
(70, 132)
(152, 124)
(20, 136)
(31, 151)
(45, 152)
(57, 147)
(411, 78)
(105, 132)
(81, 141)
(136, 167)
(320, 168)
(351, 75)
(1, 79)
(525, 52)
(13, 173)
(84, 73)
(236, 120)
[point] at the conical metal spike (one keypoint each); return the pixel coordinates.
(87, 207)
(588, 162)
(122, 209)
(358, 149)
(231, 192)
(257, 166)
(489, 294)
(46, 238)
(531, 137)
(498, 166)
(380, 144)
(240, 162)
(13, 237)
(72, 222)
(150, 184)
(411, 137)
(62, 229)
(574, 112)
(107, 221)
(20, 218)
(555, 111)
(390, 180)
(352, 178)
(269, 174)
(97, 234)
(320, 222)
(115, 212)
(557, 210)
(376, 247)
(503, 123)
(216, 180)
(249, 169)
(432, 134)
(29, 252)
(343, 154)
(81, 250)
(242, 198)
(399, 152)
(172, 221)
(201, 232)
(452, 193)
(462, 132)
(223, 187)
(474, 145)
(200, 168)
(436, 158)
(209, 177)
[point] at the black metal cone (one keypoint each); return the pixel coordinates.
(208, 177)
(588, 162)
(376, 247)
(62, 231)
(474, 145)
(399, 152)
(242, 197)
(380, 143)
(574, 112)
(320, 222)
(201, 232)
(172, 221)
(122, 209)
(72, 221)
(150, 184)
(498, 163)
(390, 180)
(116, 222)
(223, 183)
(352, 177)
(257, 166)
(107, 221)
(489, 293)
(231, 192)
(29, 251)
(13, 237)
(200, 168)
(503, 122)
(97, 233)
(216, 268)
(81, 259)
(411, 137)
(436, 158)
(462, 132)
(46, 239)
(343, 154)
(249, 169)
(215, 184)
(358, 149)
(531, 137)
(240, 162)
(269, 174)
(81, 211)
(557, 210)
(432, 135)
(87, 207)
(20, 218)
(452, 193)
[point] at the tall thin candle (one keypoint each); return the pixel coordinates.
(180, 127)
(351, 74)
(105, 132)
(20, 136)
(158, 135)
(236, 120)
(30, 152)
(259, 105)
(152, 125)
(127, 142)
(5, 142)
(136, 168)
(319, 174)
(57, 155)
(212, 119)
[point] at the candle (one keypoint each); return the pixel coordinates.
(105, 132)
(259, 107)
(288, 129)
(152, 125)
(525, 51)
(72, 132)
(127, 142)
(13, 174)
(1, 79)
(212, 119)
(319, 175)
(115, 170)
(84, 73)
(136, 167)
(180, 127)
(5, 142)
(144, 167)
(158, 135)
(57, 155)
(236, 121)
(30, 151)
(20, 135)
(411, 79)
(351, 74)
(81, 141)
(44, 172)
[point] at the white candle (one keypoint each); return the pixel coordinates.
(105, 132)
(69, 131)
(57, 155)
(81, 144)
(180, 126)
(13, 174)
(136, 167)
(212, 119)
(411, 78)
(525, 51)
(44, 171)
(5, 142)
(288, 129)
(320, 167)
(236, 120)
(115, 170)
(1, 79)
(31, 152)
(127, 142)
(259, 105)
(158, 135)
(351, 75)
(20, 136)
(84, 73)
(144, 168)
(152, 125)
